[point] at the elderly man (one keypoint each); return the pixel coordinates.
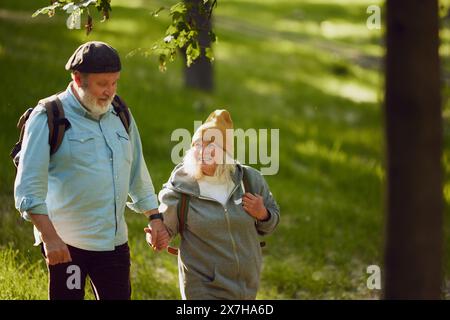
(76, 196)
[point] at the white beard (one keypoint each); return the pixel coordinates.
(90, 102)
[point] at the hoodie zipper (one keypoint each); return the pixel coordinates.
(227, 218)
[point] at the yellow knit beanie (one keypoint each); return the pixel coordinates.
(215, 130)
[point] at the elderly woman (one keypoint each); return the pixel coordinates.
(219, 221)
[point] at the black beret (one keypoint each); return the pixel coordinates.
(94, 57)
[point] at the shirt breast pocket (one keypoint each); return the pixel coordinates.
(83, 149)
(124, 141)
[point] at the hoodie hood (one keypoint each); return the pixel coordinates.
(180, 181)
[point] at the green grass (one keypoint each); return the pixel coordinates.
(309, 68)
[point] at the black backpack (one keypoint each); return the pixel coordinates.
(183, 209)
(58, 124)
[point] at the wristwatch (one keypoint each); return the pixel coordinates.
(155, 216)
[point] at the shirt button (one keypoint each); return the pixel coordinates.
(110, 159)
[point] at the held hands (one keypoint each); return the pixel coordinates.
(156, 235)
(254, 206)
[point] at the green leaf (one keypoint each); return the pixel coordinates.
(192, 52)
(171, 30)
(172, 55)
(179, 7)
(212, 36)
(182, 25)
(162, 63)
(156, 12)
(209, 54)
(181, 41)
(193, 34)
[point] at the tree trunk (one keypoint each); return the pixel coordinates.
(414, 235)
(200, 73)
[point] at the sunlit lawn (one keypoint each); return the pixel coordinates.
(310, 68)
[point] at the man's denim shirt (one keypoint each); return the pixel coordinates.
(84, 186)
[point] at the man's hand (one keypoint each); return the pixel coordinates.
(156, 235)
(56, 251)
(254, 206)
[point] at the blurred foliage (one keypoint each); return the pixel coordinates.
(182, 32)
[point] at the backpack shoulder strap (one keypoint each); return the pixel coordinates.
(21, 126)
(121, 110)
(245, 181)
(246, 185)
(24, 118)
(57, 123)
(182, 212)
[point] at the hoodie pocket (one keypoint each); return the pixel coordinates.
(225, 282)
(211, 278)
(224, 275)
(251, 274)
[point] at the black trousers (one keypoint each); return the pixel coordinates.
(109, 273)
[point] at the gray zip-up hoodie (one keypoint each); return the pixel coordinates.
(220, 254)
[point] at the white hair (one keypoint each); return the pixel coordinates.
(192, 166)
(84, 79)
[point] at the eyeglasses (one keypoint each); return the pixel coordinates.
(207, 148)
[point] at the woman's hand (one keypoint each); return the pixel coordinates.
(156, 235)
(254, 206)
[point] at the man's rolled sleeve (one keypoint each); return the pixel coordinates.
(34, 205)
(141, 191)
(145, 204)
(31, 183)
